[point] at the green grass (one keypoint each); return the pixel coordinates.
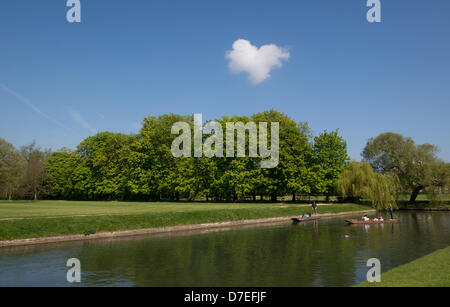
(432, 270)
(425, 201)
(423, 197)
(26, 209)
(49, 218)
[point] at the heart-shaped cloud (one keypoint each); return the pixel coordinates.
(257, 62)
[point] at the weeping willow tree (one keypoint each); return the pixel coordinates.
(359, 182)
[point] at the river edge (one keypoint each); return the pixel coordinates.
(425, 209)
(143, 231)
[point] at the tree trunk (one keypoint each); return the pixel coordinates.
(415, 192)
(293, 196)
(273, 197)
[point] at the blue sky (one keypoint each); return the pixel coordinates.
(61, 82)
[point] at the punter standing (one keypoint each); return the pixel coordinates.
(314, 207)
(391, 211)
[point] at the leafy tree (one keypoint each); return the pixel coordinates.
(12, 166)
(290, 176)
(440, 181)
(299, 175)
(235, 177)
(103, 169)
(359, 182)
(61, 167)
(35, 173)
(117, 166)
(153, 167)
(329, 159)
(416, 166)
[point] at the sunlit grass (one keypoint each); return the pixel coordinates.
(106, 216)
(432, 270)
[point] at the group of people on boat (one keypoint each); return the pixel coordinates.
(376, 219)
(380, 218)
(364, 218)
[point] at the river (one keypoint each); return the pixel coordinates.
(321, 253)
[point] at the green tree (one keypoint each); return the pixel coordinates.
(299, 175)
(359, 182)
(61, 168)
(117, 166)
(155, 172)
(329, 159)
(12, 165)
(440, 174)
(104, 167)
(415, 165)
(235, 177)
(34, 177)
(290, 176)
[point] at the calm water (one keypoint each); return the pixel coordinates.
(322, 253)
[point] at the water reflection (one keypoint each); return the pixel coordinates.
(270, 255)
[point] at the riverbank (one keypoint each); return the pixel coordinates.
(432, 270)
(31, 230)
(426, 209)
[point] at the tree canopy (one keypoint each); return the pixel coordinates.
(359, 182)
(110, 166)
(416, 166)
(117, 166)
(12, 165)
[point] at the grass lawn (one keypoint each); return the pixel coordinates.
(424, 197)
(60, 208)
(19, 219)
(425, 201)
(432, 270)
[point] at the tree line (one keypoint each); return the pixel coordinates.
(117, 166)
(22, 172)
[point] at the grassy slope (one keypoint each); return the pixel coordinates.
(121, 216)
(432, 270)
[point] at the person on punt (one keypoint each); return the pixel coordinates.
(314, 207)
(375, 219)
(365, 218)
(381, 218)
(391, 211)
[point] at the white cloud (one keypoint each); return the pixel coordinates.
(257, 62)
(80, 120)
